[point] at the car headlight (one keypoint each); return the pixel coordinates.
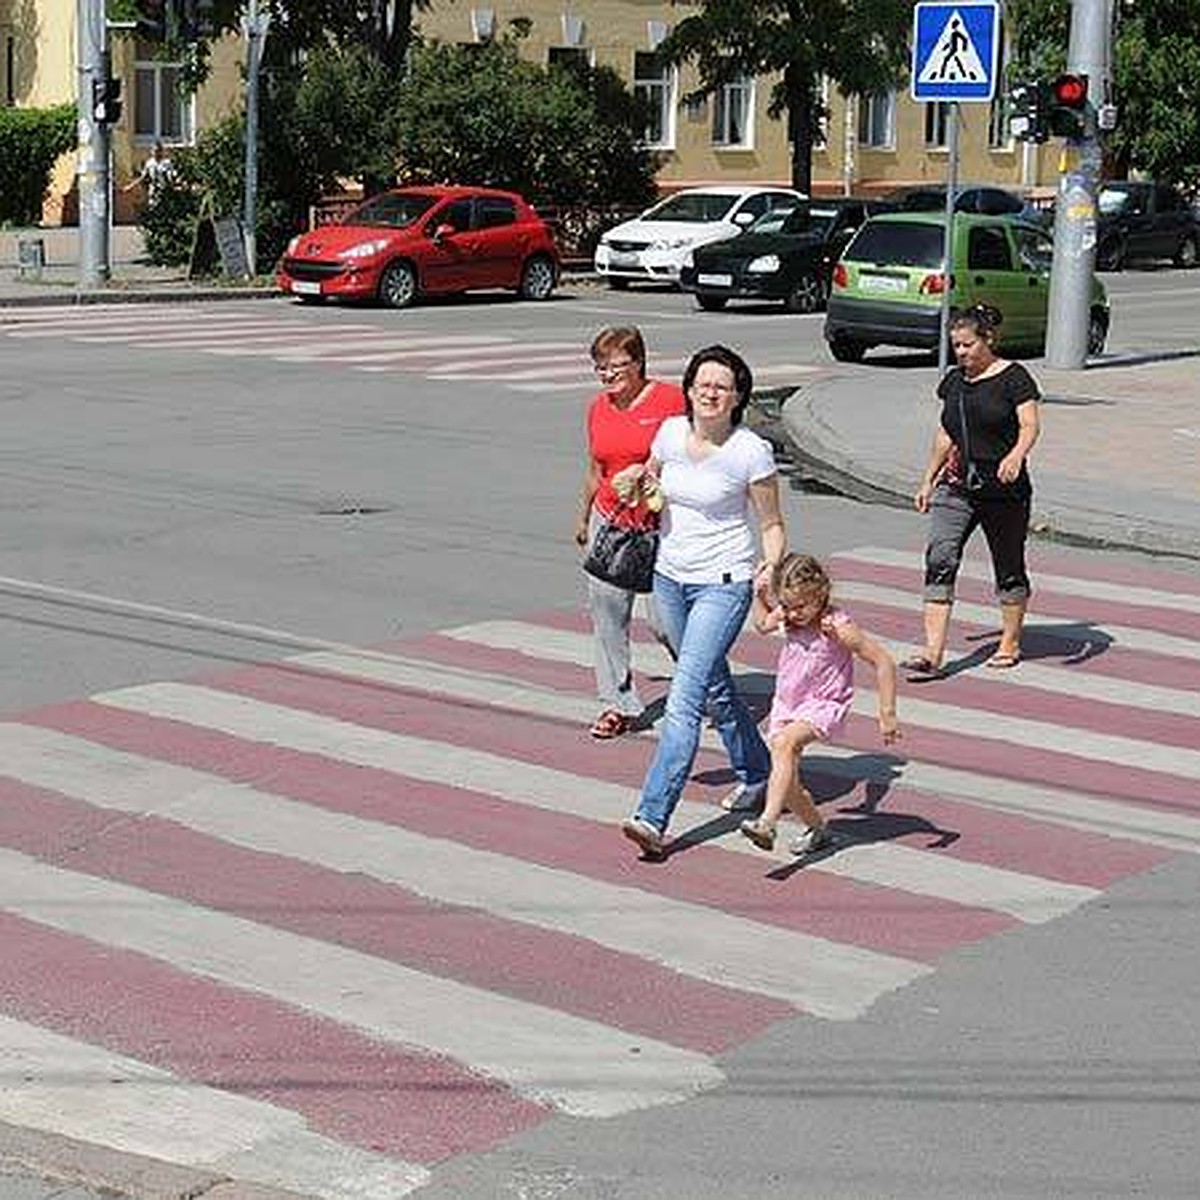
(688, 258)
(366, 249)
(670, 243)
(291, 246)
(764, 264)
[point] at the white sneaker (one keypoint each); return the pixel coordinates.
(641, 832)
(746, 797)
(811, 839)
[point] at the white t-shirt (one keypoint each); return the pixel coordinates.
(709, 525)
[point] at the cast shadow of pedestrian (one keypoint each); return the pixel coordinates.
(1070, 642)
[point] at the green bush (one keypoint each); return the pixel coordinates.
(31, 142)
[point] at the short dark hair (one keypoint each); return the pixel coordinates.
(743, 379)
(984, 319)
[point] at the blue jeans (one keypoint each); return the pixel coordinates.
(702, 620)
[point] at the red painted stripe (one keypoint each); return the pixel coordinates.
(971, 692)
(625, 761)
(1046, 602)
(813, 902)
(1094, 564)
(346, 1085)
(1071, 649)
(386, 921)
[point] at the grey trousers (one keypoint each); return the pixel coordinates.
(611, 609)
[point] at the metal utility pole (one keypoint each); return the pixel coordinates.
(95, 263)
(1075, 206)
(254, 27)
(948, 236)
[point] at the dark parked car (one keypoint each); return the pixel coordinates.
(973, 198)
(785, 255)
(1144, 220)
(417, 241)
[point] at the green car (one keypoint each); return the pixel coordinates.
(887, 286)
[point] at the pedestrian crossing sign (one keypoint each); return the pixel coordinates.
(955, 51)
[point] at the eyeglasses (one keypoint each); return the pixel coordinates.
(614, 368)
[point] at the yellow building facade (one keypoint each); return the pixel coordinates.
(870, 143)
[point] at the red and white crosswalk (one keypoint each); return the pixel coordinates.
(374, 344)
(325, 923)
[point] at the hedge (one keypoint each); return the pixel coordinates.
(31, 142)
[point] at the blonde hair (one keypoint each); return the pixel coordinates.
(798, 575)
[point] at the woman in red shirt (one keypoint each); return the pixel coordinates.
(622, 420)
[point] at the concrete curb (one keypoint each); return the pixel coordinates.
(54, 1157)
(822, 456)
(153, 294)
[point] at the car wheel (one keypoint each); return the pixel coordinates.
(398, 287)
(1185, 256)
(537, 279)
(847, 350)
(310, 299)
(807, 295)
(712, 303)
(618, 285)
(1111, 255)
(1097, 334)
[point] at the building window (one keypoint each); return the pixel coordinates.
(654, 82)
(937, 116)
(877, 121)
(733, 107)
(569, 58)
(162, 109)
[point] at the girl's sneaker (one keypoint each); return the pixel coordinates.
(760, 832)
(811, 839)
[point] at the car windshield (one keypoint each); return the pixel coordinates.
(693, 206)
(897, 244)
(393, 209)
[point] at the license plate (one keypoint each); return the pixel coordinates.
(882, 283)
(623, 260)
(716, 280)
(303, 287)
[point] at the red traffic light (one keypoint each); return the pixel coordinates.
(1070, 91)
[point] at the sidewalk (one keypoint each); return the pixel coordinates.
(133, 278)
(1118, 462)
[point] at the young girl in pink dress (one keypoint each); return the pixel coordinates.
(814, 689)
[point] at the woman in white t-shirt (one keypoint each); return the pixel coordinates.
(722, 497)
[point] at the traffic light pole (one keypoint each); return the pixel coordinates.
(95, 265)
(1078, 184)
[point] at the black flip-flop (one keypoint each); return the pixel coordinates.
(920, 669)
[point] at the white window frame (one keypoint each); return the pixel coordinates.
(563, 56)
(937, 124)
(158, 74)
(659, 92)
(877, 121)
(739, 91)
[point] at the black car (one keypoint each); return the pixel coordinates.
(1143, 220)
(787, 255)
(974, 198)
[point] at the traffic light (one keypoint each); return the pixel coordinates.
(1027, 111)
(106, 100)
(1067, 116)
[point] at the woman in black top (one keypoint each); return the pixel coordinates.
(976, 476)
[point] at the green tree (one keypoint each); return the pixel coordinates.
(482, 115)
(1156, 80)
(861, 45)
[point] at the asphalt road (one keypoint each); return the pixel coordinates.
(173, 510)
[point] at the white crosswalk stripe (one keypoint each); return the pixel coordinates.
(448, 784)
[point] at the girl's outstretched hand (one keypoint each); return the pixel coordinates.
(888, 728)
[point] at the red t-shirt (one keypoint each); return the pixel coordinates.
(620, 437)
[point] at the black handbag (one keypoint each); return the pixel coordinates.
(623, 557)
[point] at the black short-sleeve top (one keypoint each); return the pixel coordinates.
(990, 406)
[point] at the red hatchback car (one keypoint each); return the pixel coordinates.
(418, 241)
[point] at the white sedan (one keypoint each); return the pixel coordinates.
(659, 243)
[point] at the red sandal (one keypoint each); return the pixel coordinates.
(610, 724)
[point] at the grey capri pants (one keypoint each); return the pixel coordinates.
(953, 517)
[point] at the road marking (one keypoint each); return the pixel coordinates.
(68, 1087)
(581, 1067)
